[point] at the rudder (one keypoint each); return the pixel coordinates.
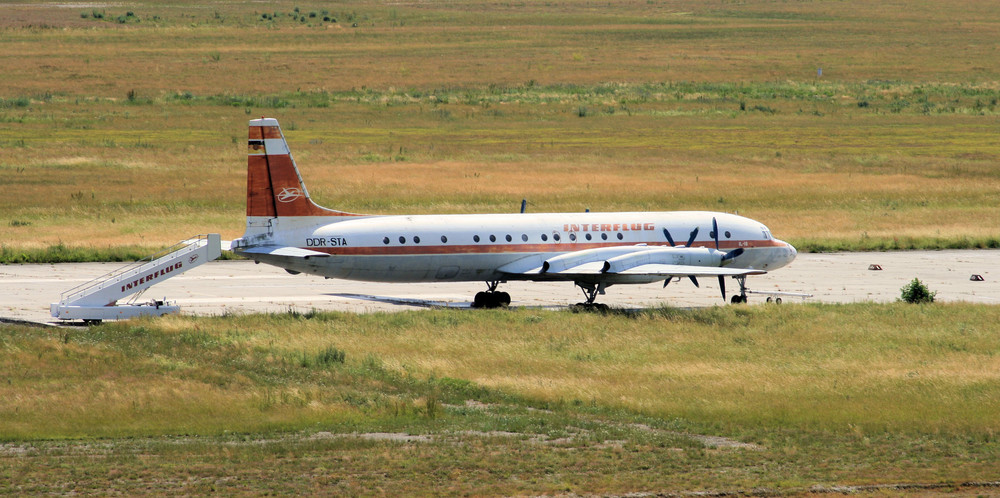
(274, 185)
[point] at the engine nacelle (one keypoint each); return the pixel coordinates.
(694, 256)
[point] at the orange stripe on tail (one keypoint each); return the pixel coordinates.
(274, 186)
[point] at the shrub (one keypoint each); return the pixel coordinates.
(329, 356)
(917, 292)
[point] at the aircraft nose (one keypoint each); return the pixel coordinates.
(787, 255)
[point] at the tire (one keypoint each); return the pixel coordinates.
(480, 300)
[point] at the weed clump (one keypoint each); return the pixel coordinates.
(916, 292)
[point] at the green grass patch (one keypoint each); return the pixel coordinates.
(83, 254)
(507, 402)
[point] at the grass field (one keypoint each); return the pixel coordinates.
(729, 399)
(124, 133)
(123, 128)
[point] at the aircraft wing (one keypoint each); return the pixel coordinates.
(689, 271)
(624, 264)
(595, 268)
(295, 252)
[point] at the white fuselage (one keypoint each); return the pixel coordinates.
(490, 247)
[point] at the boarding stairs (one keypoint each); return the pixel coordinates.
(98, 299)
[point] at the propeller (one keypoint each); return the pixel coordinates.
(715, 236)
(729, 255)
(694, 235)
(732, 254)
(669, 238)
(715, 232)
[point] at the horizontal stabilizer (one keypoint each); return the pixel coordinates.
(294, 252)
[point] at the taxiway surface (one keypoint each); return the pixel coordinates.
(223, 287)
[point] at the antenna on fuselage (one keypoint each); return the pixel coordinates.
(524, 205)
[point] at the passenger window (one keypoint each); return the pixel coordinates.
(385, 240)
(524, 237)
(475, 238)
(509, 238)
(444, 240)
(588, 236)
(493, 238)
(572, 237)
(545, 237)
(555, 237)
(416, 239)
(620, 236)
(604, 236)
(402, 240)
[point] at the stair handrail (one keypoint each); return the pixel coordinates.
(196, 242)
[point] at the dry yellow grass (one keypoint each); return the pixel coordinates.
(131, 134)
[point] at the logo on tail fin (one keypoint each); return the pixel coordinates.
(289, 194)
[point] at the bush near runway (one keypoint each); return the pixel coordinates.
(522, 401)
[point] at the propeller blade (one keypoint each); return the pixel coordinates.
(669, 238)
(667, 282)
(694, 233)
(732, 254)
(715, 232)
(694, 281)
(722, 285)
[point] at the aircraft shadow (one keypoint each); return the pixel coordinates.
(402, 301)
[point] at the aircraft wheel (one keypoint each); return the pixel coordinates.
(503, 298)
(480, 300)
(777, 300)
(735, 299)
(769, 299)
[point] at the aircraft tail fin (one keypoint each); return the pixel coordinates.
(274, 185)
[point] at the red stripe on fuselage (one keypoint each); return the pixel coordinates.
(489, 248)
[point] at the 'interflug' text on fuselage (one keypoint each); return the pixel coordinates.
(608, 227)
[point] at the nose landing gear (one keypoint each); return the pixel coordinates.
(740, 298)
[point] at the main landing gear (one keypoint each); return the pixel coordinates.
(590, 292)
(491, 298)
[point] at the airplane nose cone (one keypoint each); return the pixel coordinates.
(785, 256)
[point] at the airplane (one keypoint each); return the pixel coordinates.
(285, 228)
